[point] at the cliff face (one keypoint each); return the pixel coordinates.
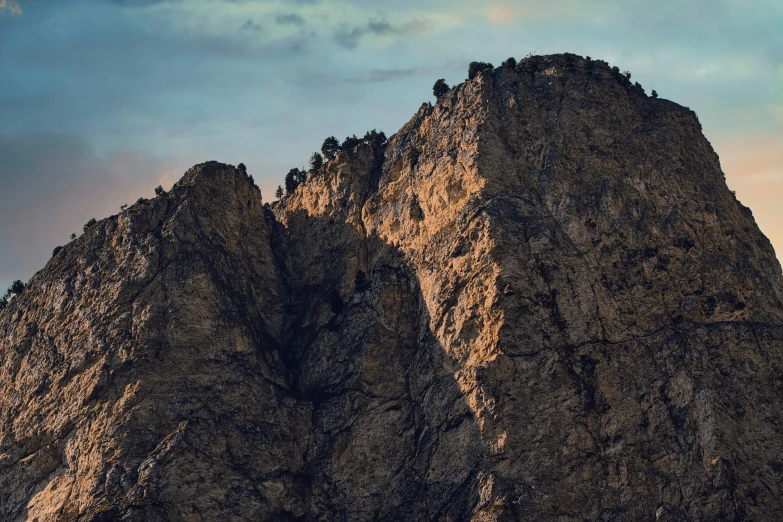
(540, 301)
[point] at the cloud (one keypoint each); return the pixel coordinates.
(508, 13)
(10, 6)
(387, 75)
(169, 94)
(138, 3)
(249, 25)
(290, 19)
(349, 37)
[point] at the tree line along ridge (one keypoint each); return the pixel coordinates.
(377, 140)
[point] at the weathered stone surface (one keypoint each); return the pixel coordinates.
(539, 302)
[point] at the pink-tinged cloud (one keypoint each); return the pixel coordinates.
(506, 13)
(11, 6)
(53, 184)
(754, 168)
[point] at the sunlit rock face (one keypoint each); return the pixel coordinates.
(539, 301)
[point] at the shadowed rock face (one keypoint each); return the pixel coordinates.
(539, 302)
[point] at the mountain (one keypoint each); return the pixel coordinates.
(539, 301)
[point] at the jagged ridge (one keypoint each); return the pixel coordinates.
(541, 303)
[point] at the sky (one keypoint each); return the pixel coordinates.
(103, 100)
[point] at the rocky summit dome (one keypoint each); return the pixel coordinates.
(539, 301)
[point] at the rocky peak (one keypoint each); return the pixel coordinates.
(539, 301)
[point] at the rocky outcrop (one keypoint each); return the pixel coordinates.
(540, 301)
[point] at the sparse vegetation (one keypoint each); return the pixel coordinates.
(316, 161)
(510, 62)
(242, 168)
(638, 87)
(293, 179)
(476, 67)
(440, 89)
(375, 139)
(56, 250)
(586, 63)
(330, 148)
(159, 191)
(349, 143)
(89, 225)
(124, 207)
(654, 93)
(16, 288)
(290, 181)
(73, 236)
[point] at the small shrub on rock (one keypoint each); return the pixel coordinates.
(89, 225)
(293, 179)
(17, 287)
(440, 89)
(316, 161)
(330, 148)
(476, 67)
(350, 143)
(375, 139)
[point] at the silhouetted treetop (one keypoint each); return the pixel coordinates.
(476, 67)
(316, 161)
(440, 89)
(349, 143)
(293, 179)
(16, 288)
(330, 148)
(89, 225)
(375, 139)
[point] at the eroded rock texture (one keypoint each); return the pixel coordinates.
(539, 302)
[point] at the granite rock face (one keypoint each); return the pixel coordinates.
(540, 301)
